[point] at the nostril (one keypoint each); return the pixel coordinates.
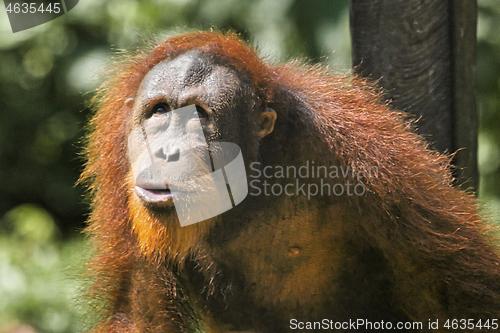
(160, 154)
(174, 156)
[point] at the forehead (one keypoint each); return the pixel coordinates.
(190, 70)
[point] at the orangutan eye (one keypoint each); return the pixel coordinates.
(200, 113)
(160, 109)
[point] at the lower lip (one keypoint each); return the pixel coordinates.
(155, 196)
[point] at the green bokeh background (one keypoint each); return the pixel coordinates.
(47, 74)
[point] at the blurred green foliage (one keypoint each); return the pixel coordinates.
(488, 90)
(39, 282)
(45, 75)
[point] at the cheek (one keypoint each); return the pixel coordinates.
(234, 128)
(211, 131)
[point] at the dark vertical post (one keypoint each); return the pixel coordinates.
(464, 14)
(422, 52)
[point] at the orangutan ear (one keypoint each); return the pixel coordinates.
(266, 122)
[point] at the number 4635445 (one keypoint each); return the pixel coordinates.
(33, 8)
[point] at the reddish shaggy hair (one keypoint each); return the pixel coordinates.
(428, 231)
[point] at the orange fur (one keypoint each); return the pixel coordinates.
(299, 255)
